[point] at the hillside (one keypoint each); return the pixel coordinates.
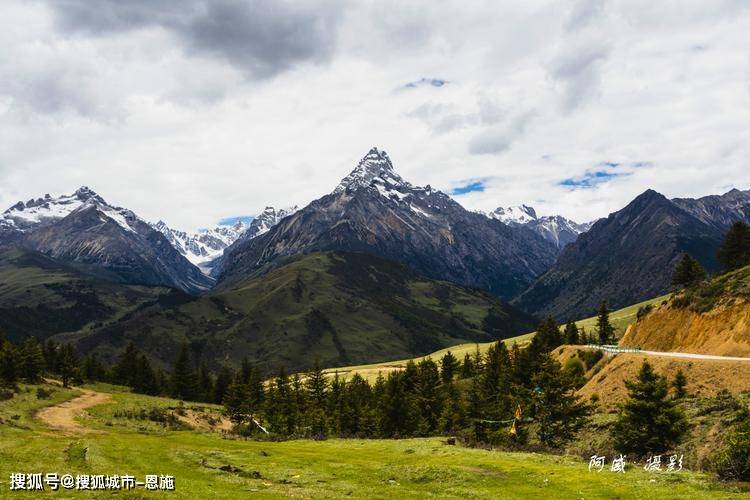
(711, 319)
(341, 308)
(625, 258)
(620, 320)
(42, 297)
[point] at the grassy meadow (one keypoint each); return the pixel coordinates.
(213, 465)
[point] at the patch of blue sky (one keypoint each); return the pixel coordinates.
(230, 221)
(591, 179)
(472, 187)
(423, 82)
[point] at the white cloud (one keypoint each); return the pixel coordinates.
(163, 115)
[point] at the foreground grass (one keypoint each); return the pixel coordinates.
(620, 320)
(409, 468)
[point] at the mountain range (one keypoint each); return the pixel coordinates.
(629, 256)
(554, 228)
(101, 275)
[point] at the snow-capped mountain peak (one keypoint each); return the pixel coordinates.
(553, 228)
(375, 167)
(521, 214)
(25, 216)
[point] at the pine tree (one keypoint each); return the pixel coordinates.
(237, 401)
(679, 384)
(604, 327)
(396, 410)
(9, 364)
(223, 379)
(448, 366)
(495, 379)
(453, 414)
(144, 380)
(688, 272)
(426, 397)
(317, 391)
(67, 364)
(467, 367)
(560, 413)
(734, 251)
(205, 384)
(94, 370)
(649, 422)
(571, 333)
(31, 360)
(183, 383)
(126, 367)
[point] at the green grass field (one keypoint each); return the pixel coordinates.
(620, 319)
(409, 468)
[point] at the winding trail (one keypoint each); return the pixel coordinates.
(62, 416)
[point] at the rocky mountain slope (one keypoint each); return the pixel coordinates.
(341, 308)
(626, 258)
(85, 231)
(374, 210)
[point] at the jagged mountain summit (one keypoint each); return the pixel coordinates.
(83, 230)
(374, 210)
(554, 228)
(630, 256)
(268, 218)
(203, 247)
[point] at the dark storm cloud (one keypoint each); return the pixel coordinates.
(260, 37)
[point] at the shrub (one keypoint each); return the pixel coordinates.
(732, 461)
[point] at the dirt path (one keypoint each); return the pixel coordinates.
(62, 416)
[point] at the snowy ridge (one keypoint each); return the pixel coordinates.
(268, 218)
(553, 228)
(520, 215)
(24, 217)
(204, 246)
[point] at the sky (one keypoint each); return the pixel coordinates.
(197, 111)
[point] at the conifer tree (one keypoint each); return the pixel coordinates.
(453, 414)
(127, 365)
(734, 251)
(93, 369)
(604, 327)
(688, 272)
(426, 397)
(448, 366)
(31, 360)
(467, 367)
(396, 410)
(223, 379)
(495, 379)
(680, 384)
(560, 413)
(571, 333)
(67, 364)
(649, 422)
(237, 401)
(9, 363)
(144, 380)
(205, 384)
(317, 392)
(183, 383)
